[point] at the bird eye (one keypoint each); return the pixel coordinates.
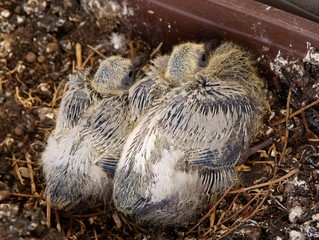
(204, 57)
(129, 79)
(203, 60)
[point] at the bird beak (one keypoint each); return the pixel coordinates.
(139, 61)
(211, 44)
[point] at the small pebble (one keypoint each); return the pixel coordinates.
(296, 235)
(18, 130)
(46, 115)
(25, 172)
(5, 13)
(41, 59)
(30, 57)
(44, 89)
(20, 19)
(295, 214)
(4, 191)
(66, 45)
(52, 47)
(8, 211)
(18, 10)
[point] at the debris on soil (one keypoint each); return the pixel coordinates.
(42, 42)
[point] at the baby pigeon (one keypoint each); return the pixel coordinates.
(167, 72)
(79, 162)
(183, 149)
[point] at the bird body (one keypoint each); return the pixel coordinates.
(79, 162)
(183, 149)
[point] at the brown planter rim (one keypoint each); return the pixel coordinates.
(262, 28)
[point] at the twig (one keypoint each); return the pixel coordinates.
(222, 216)
(16, 170)
(84, 215)
(156, 50)
(73, 66)
(23, 101)
(2, 82)
(113, 236)
(82, 226)
(95, 234)
(57, 217)
(117, 219)
(212, 217)
(33, 187)
(36, 204)
(296, 112)
(235, 214)
(48, 200)
(211, 210)
(26, 195)
(132, 49)
(287, 126)
(274, 181)
(305, 124)
(97, 51)
(219, 220)
(252, 150)
(231, 230)
(78, 55)
(239, 221)
(242, 209)
(282, 206)
(262, 162)
(56, 96)
(257, 208)
(21, 161)
(313, 139)
(87, 60)
(276, 161)
(69, 232)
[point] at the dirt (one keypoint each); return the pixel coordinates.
(37, 52)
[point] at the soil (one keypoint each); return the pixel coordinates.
(278, 194)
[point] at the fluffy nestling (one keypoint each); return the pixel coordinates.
(183, 149)
(79, 161)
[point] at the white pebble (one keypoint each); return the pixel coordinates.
(20, 19)
(5, 13)
(295, 235)
(295, 214)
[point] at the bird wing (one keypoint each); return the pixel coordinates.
(75, 101)
(73, 105)
(106, 126)
(108, 163)
(210, 122)
(141, 96)
(144, 92)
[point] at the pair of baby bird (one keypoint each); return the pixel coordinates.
(160, 147)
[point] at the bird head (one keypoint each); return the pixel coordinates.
(186, 59)
(117, 74)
